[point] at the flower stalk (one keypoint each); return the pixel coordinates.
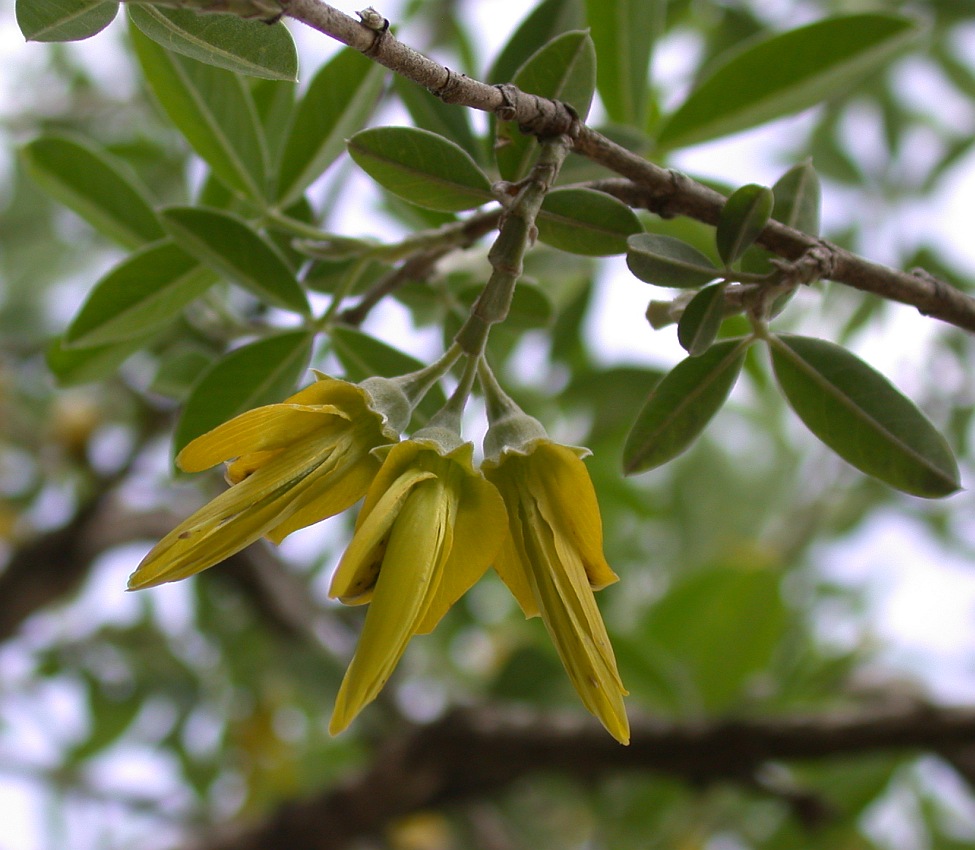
(507, 254)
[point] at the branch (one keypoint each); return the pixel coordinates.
(472, 754)
(50, 568)
(661, 190)
(669, 193)
(420, 264)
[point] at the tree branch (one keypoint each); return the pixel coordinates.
(669, 193)
(661, 190)
(52, 567)
(472, 754)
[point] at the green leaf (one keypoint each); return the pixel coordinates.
(229, 245)
(699, 324)
(732, 613)
(421, 167)
(743, 218)
(141, 294)
(681, 405)
(797, 198)
(549, 19)
(275, 101)
(111, 711)
(364, 356)
(583, 221)
(339, 99)
(862, 417)
(243, 46)
(263, 372)
(668, 261)
(429, 112)
(179, 369)
(94, 185)
(785, 74)
(74, 366)
(213, 109)
(64, 20)
(564, 69)
(624, 32)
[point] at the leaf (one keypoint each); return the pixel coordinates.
(702, 317)
(74, 366)
(275, 102)
(797, 198)
(141, 294)
(862, 417)
(682, 404)
(668, 261)
(339, 99)
(91, 183)
(64, 20)
(179, 369)
(564, 69)
(226, 41)
(742, 219)
(213, 109)
(263, 372)
(624, 32)
(429, 112)
(421, 167)
(111, 711)
(732, 613)
(583, 221)
(785, 74)
(608, 396)
(364, 356)
(231, 247)
(549, 19)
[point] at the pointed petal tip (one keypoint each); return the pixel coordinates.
(620, 729)
(336, 726)
(135, 583)
(141, 580)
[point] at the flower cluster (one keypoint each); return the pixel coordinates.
(430, 524)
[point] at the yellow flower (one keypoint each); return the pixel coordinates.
(296, 463)
(553, 560)
(429, 528)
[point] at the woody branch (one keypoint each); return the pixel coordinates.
(473, 754)
(659, 190)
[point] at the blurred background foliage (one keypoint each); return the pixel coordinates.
(146, 719)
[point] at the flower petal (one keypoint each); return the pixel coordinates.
(479, 530)
(229, 523)
(273, 426)
(418, 543)
(559, 480)
(512, 569)
(511, 564)
(329, 496)
(357, 572)
(573, 621)
(235, 518)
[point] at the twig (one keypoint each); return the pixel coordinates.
(669, 193)
(432, 247)
(662, 190)
(517, 234)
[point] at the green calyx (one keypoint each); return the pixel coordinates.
(387, 398)
(514, 431)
